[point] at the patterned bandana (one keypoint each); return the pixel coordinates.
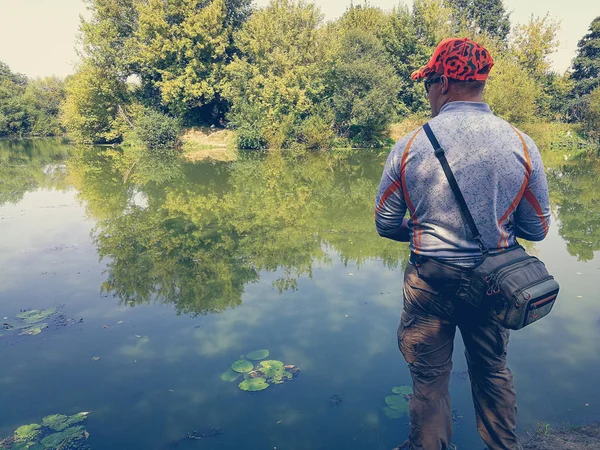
(459, 59)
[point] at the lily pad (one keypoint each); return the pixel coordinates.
(397, 402)
(28, 433)
(393, 413)
(33, 330)
(271, 369)
(26, 446)
(230, 375)
(254, 384)
(402, 390)
(242, 366)
(56, 440)
(56, 422)
(258, 355)
(77, 418)
(36, 315)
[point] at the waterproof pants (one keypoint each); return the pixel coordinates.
(432, 312)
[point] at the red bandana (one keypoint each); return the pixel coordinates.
(459, 59)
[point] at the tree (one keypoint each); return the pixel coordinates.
(14, 117)
(91, 108)
(43, 98)
(279, 72)
(514, 101)
(364, 88)
(105, 37)
(181, 49)
(406, 52)
(586, 65)
(534, 42)
(487, 16)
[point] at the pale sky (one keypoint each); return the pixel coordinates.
(37, 37)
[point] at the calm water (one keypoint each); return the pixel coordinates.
(178, 269)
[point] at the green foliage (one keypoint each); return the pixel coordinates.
(592, 117)
(482, 16)
(156, 130)
(364, 88)
(180, 48)
(278, 75)
(90, 111)
(105, 36)
(511, 91)
(43, 98)
(586, 65)
(534, 42)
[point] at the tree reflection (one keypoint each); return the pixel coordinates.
(575, 189)
(26, 165)
(198, 239)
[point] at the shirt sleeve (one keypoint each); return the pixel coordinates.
(390, 206)
(532, 217)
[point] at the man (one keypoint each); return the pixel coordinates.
(500, 173)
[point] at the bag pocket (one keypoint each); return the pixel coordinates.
(522, 293)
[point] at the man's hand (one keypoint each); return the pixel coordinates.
(401, 234)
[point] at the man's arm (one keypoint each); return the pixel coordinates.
(389, 204)
(532, 217)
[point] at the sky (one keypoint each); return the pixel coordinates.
(38, 37)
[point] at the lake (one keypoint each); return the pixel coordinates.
(164, 273)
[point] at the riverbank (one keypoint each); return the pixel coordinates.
(204, 143)
(575, 438)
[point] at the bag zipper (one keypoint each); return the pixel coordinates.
(501, 272)
(517, 293)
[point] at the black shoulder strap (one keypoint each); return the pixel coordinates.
(441, 156)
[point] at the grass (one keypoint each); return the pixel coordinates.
(203, 143)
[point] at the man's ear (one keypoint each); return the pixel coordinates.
(445, 85)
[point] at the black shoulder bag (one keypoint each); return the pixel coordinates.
(515, 287)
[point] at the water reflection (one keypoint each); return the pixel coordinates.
(575, 189)
(195, 234)
(197, 239)
(27, 165)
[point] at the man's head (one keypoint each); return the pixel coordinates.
(457, 71)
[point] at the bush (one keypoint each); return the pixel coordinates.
(157, 131)
(248, 122)
(316, 131)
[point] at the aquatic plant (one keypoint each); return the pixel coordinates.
(230, 375)
(33, 330)
(402, 390)
(397, 404)
(265, 373)
(393, 413)
(63, 438)
(242, 366)
(57, 422)
(254, 384)
(35, 315)
(28, 433)
(258, 355)
(57, 432)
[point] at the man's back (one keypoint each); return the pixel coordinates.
(498, 169)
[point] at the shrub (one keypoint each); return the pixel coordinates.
(157, 131)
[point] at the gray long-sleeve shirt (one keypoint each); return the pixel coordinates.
(500, 173)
